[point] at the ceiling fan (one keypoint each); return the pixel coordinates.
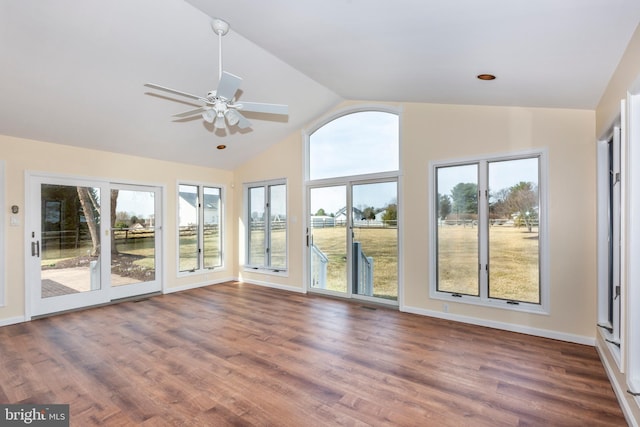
(220, 104)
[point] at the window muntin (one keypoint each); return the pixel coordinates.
(267, 225)
(199, 227)
(352, 145)
(488, 226)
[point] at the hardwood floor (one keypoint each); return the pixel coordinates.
(238, 354)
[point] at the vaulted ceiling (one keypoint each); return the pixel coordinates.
(73, 71)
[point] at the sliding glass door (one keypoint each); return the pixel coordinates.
(89, 242)
(353, 239)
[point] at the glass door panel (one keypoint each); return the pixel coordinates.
(65, 268)
(328, 224)
(70, 244)
(375, 240)
(134, 240)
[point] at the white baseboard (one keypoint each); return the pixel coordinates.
(197, 285)
(618, 389)
(12, 320)
(275, 285)
(545, 333)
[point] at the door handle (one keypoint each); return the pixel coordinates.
(35, 248)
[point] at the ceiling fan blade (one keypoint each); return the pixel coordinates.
(243, 123)
(259, 107)
(176, 92)
(228, 86)
(191, 112)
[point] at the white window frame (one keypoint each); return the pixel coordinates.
(611, 331)
(630, 292)
(483, 298)
(200, 191)
(266, 267)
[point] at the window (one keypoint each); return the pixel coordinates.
(352, 221)
(488, 222)
(358, 143)
(267, 225)
(609, 224)
(199, 227)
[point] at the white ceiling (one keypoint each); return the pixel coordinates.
(73, 70)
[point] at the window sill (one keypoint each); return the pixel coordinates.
(614, 349)
(492, 303)
(202, 271)
(282, 272)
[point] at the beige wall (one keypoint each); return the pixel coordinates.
(439, 132)
(283, 160)
(22, 155)
(624, 76)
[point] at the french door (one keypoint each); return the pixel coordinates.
(78, 255)
(353, 240)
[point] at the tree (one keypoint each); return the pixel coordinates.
(369, 213)
(114, 205)
(90, 208)
(444, 206)
(391, 213)
(321, 212)
(465, 198)
(522, 201)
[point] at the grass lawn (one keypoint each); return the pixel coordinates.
(381, 244)
(513, 262)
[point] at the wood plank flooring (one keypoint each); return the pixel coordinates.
(244, 355)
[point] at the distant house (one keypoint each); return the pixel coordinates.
(189, 213)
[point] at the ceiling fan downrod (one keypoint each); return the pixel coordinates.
(220, 27)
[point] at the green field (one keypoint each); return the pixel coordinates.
(381, 244)
(513, 262)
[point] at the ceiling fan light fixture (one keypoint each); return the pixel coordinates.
(219, 123)
(233, 117)
(208, 116)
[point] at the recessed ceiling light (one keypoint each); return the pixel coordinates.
(221, 147)
(486, 77)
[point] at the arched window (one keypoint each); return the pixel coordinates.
(358, 143)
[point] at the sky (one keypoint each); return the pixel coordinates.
(355, 144)
(138, 203)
